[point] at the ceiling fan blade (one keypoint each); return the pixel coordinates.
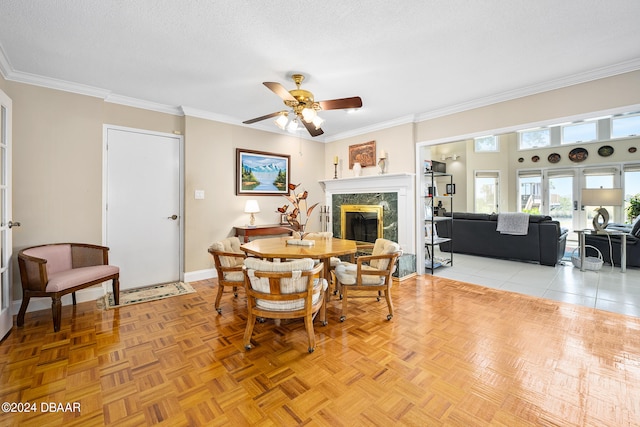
(312, 129)
(279, 90)
(258, 119)
(341, 104)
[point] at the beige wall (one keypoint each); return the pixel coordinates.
(210, 163)
(397, 141)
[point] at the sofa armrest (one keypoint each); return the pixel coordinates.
(553, 242)
(33, 272)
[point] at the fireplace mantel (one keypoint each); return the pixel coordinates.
(401, 183)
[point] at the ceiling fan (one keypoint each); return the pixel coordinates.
(303, 107)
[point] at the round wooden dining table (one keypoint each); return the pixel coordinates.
(322, 249)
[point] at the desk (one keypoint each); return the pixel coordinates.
(623, 248)
(262, 230)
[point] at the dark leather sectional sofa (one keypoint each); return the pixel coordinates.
(476, 234)
(603, 243)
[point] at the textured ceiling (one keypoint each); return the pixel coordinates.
(407, 59)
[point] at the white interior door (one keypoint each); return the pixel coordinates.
(6, 318)
(143, 209)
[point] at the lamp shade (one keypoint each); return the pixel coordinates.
(602, 196)
(251, 206)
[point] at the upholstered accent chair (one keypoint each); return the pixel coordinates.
(284, 290)
(228, 259)
(370, 274)
(58, 269)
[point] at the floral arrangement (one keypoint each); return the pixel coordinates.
(300, 213)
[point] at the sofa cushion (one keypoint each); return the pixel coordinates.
(68, 279)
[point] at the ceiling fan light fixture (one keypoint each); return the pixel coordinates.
(293, 125)
(317, 121)
(282, 120)
(308, 114)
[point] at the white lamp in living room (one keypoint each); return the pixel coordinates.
(601, 197)
(251, 207)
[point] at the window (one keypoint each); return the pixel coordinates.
(579, 132)
(631, 186)
(534, 138)
(624, 126)
(486, 144)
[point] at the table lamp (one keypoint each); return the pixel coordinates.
(601, 197)
(251, 207)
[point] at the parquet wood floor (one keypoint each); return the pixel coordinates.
(454, 355)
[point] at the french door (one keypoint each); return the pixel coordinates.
(6, 245)
(557, 193)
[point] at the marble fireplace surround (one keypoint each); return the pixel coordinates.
(395, 192)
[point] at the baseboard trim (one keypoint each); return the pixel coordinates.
(194, 276)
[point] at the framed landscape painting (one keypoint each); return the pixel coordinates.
(259, 173)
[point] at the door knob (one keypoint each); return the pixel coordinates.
(12, 224)
(173, 217)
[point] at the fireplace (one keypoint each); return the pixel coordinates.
(363, 223)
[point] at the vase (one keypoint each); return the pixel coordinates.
(357, 168)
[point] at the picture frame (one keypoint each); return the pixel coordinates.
(283, 219)
(364, 153)
(451, 189)
(260, 173)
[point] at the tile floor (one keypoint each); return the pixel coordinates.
(607, 289)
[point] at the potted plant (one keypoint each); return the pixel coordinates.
(633, 210)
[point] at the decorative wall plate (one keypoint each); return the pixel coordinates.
(521, 159)
(554, 158)
(632, 149)
(578, 154)
(535, 158)
(605, 150)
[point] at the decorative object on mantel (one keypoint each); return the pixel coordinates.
(382, 161)
(578, 155)
(632, 149)
(357, 168)
(605, 151)
(335, 167)
(299, 214)
(554, 158)
(364, 153)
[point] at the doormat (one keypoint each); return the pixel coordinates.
(148, 293)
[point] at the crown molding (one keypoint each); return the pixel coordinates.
(376, 127)
(5, 65)
(598, 73)
(145, 105)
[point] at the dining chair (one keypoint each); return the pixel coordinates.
(334, 261)
(370, 273)
(229, 260)
(283, 290)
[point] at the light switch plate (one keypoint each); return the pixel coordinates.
(199, 195)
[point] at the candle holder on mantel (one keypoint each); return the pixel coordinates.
(382, 162)
(335, 167)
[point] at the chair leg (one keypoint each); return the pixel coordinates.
(308, 323)
(387, 295)
(235, 291)
(73, 298)
(343, 296)
(23, 308)
(251, 320)
(115, 287)
(56, 309)
(218, 298)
